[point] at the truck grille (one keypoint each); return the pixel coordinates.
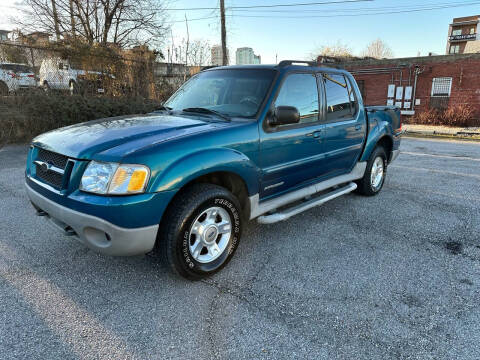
(55, 159)
(50, 176)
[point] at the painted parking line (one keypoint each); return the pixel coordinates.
(440, 156)
(435, 171)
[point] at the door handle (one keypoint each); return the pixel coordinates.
(358, 127)
(315, 134)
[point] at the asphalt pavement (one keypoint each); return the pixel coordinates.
(396, 276)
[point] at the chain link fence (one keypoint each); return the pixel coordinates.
(46, 87)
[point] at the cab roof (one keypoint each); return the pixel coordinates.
(285, 65)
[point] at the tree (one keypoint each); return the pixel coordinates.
(197, 54)
(378, 49)
(336, 50)
(120, 22)
(14, 54)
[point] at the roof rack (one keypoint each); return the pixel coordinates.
(208, 67)
(291, 62)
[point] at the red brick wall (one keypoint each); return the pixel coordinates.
(465, 28)
(463, 69)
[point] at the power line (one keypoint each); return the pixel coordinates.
(383, 8)
(194, 19)
(358, 14)
(372, 12)
(271, 6)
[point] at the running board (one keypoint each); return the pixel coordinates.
(289, 212)
(258, 208)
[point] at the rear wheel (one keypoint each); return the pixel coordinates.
(375, 172)
(3, 89)
(200, 231)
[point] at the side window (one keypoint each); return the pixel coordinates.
(300, 91)
(353, 97)
(338, 97)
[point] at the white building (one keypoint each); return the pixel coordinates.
(217, 55)
(245, 56)
(4, 35)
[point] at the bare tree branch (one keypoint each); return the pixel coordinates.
(121, 22)
(378, 49)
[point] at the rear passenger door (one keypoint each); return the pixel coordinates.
(292, 154)
(345, 125)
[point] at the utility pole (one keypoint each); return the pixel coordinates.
(224, 33)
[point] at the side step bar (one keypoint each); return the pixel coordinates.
(258, 208)
(289, 212)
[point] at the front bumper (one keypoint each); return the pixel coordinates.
(96, 233)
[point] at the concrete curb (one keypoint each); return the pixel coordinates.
(461, 135)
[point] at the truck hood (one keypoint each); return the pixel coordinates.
(82, 141)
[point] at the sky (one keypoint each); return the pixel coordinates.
(295, 32)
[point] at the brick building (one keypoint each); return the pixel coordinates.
(463, 35)
(420, 83)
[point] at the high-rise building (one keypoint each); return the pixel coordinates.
(463, 35)
(217, 55)
(245, 56)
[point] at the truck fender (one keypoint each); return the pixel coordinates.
(192, 166)
(377, 132)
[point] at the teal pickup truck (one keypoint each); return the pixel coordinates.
(233, 144)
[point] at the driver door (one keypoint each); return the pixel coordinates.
(292, 155)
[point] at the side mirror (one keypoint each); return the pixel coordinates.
(284, 115)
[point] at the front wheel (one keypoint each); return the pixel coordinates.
(73, 87)
(375, 172)
(200, 231)
(46, 87)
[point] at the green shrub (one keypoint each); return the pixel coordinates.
(22, 117)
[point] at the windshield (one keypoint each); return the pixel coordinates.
(231, 92)
(18, 68)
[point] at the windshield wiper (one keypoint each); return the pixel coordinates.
(162, 108)
(202, 110)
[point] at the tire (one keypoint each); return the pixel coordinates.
(371, 185)
(188, 232)
(3, 89)
(73, 87)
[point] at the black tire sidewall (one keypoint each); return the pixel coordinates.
(182, 251)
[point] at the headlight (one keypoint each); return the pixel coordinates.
(113, 178)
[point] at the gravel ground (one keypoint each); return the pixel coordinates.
(395, 276)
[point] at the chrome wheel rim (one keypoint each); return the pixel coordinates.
(376, 175)
(210, 234)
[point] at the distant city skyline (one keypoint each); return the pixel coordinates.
(217, 55)
(297, 32)
(246, 56)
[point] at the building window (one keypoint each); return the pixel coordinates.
(454, 49)
(472, 30)
(441, 86)
(457, 32)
